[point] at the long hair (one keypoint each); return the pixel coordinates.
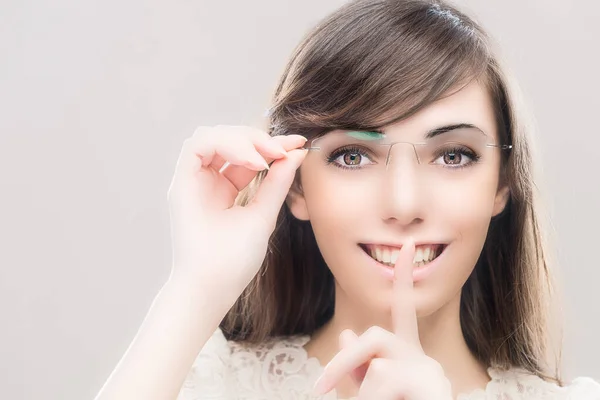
(369, 64)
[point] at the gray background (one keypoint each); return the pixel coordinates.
(96, 99)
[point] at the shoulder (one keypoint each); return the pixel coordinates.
(584, 388)
(228, 369)
(516, 384)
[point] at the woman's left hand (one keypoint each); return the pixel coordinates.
(390, 365)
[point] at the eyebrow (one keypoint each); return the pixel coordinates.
(447, 128)
(443, 129)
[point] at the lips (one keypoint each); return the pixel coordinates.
(388, 255)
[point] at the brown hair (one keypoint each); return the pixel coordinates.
(369, 64)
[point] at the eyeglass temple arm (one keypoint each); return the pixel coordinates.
(308, 145)
(500, 146)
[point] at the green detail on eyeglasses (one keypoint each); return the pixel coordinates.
(366, 135)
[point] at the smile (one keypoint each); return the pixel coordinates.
(388, 255)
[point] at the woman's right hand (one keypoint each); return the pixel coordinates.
(215, 242)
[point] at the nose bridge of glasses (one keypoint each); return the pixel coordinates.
(405, 148)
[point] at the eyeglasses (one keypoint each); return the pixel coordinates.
(441, 154)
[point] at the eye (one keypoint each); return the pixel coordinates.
(455, 157)
(349, 158)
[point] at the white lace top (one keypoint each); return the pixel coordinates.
(282, 370)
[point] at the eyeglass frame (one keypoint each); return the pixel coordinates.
(494, 145)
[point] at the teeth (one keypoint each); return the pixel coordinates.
(386, 256)
(389, 256)
(394, 256)
(427, 253)
(418, 255)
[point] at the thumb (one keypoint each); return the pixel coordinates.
(275, 186)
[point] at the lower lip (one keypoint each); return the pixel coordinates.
(419, 273)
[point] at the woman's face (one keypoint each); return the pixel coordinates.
(362, 208)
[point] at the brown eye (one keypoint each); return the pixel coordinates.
(452, 158)
(352, 158)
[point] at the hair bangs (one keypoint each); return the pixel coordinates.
(351, 75)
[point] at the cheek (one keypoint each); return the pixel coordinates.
(340, 211)
(469, 203)
(337, 203)
(465, 215)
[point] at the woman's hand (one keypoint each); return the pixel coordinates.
(390, 365)
(215, 242)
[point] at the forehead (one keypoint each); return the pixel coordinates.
(470, 105)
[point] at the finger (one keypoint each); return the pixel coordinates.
(206, 149)
(232, 148)
(375, 342)
(404, 316)
(347, 339)
(241, 176)
(275, 187)
(269, 148)
(381, 381)
(203, 133)
(238, 145)
(217, 149)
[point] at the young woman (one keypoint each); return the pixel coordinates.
(399, 220)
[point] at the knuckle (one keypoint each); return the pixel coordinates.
(226, 131)
(346, 332)
(435, 367)
(193, 144)
(372, 330)
(378, 366)
(250, 132)
(259, 133)
(189, 142)
(377, 333)
(201, 131)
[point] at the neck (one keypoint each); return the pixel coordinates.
(440, 334)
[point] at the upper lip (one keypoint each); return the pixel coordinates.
(399, 245)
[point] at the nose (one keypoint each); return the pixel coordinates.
(402, 199)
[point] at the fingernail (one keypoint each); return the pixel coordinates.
(277, 147)
(259, 162)
(304, 140)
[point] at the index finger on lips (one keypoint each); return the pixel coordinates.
(404, 315)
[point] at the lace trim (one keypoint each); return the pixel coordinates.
(281, 369)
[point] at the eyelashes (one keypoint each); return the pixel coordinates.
(453, 151)
(352, 149)
(460, 150)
